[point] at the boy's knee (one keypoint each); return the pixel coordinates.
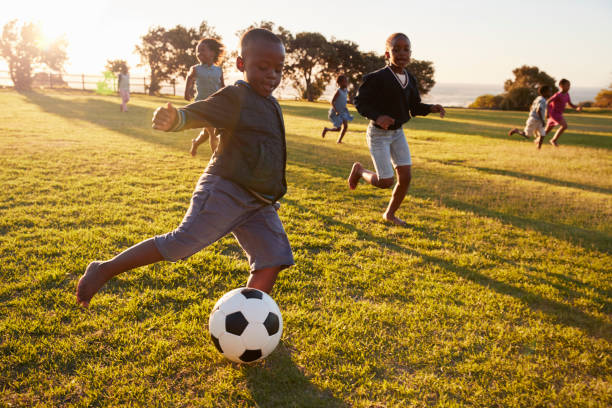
(386, 182)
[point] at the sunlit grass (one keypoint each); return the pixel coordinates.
(497, 294)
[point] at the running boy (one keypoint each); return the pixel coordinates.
(238, 191)
(536, 122)
(556, 106)
(208, 79)
(338, 113)
(389, 97)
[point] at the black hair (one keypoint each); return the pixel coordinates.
(544, 89)
(391, 39)
(340, 78)
(564, 81)
(257, 34)
(215, 46)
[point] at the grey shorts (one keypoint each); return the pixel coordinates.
(218, 207)
(388, 149)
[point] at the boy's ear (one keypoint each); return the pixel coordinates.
(240, 64)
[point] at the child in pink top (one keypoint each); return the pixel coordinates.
(554, 113)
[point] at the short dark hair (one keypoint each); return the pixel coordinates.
(544, 89)
(564, 81)
(215, 46)
(340, 78)
(391, 39)
(257, 34)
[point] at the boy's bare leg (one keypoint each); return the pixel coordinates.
(399, 192)
(344, 129)
(201, 138)
(98, 273)
(358, 172)
(263, 279)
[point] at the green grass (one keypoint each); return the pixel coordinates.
(497, 294)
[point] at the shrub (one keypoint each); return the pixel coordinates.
(487, 101)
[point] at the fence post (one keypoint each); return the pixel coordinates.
(83, 80)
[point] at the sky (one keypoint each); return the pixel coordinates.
(468, 41)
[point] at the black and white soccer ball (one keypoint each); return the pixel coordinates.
(245, 325)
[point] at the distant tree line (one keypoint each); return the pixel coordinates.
(520, 92)
(312, 60)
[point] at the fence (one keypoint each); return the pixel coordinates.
(86, 82)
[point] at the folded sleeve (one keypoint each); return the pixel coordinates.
(220, 110)
(366, 98)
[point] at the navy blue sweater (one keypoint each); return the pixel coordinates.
(381, 94)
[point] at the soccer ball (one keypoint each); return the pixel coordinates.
(245, 325)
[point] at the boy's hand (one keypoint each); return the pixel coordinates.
(164, 117)
(579, 109)
(384, 121)
(438, 108)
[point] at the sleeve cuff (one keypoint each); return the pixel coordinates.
(180, 122)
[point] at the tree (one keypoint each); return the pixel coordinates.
(423, 71)
(310, 56)
(487, 101)
(604, 98)
(116, 66)
(170, 53)
(23, 50)
(517, 98)
(524, 89)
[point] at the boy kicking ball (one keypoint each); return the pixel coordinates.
(238, 191)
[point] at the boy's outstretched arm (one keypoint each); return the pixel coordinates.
(164, 118)
(438, 108)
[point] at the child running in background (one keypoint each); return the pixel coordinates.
(338, 113)
(237, 192)
(123, 83)
(208, 79)
(556, 106)
(389, 97)
(536, 121)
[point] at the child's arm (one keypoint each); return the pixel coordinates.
(438, 108)
(540, 114)
(365, 100)
(569, 102)
(189, 84)
(220, 110)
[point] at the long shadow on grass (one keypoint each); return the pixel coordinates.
(525, 176)
(279, 382)
(560, 312)
(321, 159)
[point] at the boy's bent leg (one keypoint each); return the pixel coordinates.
(98, 273)
(267, 247)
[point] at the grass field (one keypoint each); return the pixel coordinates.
(497, 294)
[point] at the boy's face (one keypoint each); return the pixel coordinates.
(547, 94)
(565, 86)
(262, 66)
(343, 83)
(205, 55)
(399, 54)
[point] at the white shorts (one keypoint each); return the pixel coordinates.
(388, 149)
(532, 126)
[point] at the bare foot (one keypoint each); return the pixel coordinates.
(538, 141)
(194, 147)
(323, 133)
(355, 175)
(394, 220)
(339, 142)
(90, 283)
(554, 143)
(512, 131)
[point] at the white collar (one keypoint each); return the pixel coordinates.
(403, 85)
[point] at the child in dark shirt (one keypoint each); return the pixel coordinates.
(389, 97)
(238, 191)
